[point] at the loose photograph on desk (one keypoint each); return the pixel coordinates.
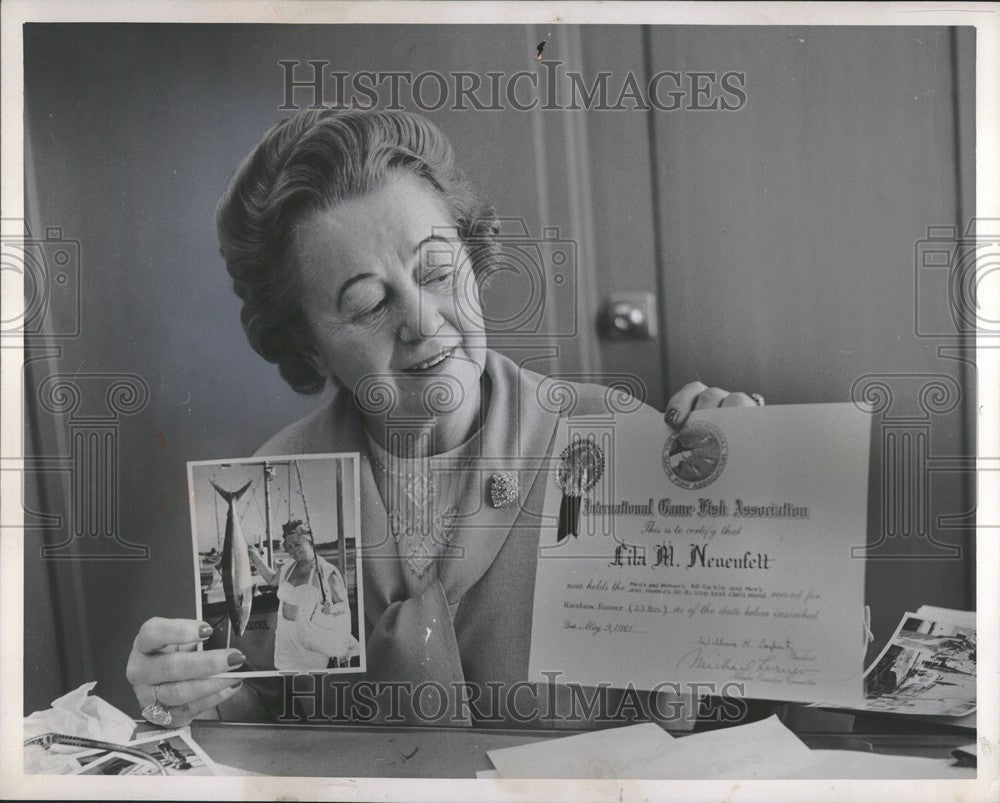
(927, 667)
(162, 753)
(277, 561)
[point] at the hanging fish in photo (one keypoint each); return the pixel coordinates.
(236, 578)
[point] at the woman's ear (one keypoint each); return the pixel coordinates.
(311, 353)
(306, 347)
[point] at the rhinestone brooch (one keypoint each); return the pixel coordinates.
(505, 488)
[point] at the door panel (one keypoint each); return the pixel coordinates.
(788, 231)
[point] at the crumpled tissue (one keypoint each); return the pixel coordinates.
(77, 713)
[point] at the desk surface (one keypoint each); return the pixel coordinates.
(370, 751)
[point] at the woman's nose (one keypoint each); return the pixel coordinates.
(419, 317)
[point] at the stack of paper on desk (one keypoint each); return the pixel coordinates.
(765, 749)
(611, 753)
(647, 752)
(758, 751)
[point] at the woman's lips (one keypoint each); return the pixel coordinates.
(430, 362)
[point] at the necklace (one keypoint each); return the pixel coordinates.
(418, 526)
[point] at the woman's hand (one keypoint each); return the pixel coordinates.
(337, 608)
(260, 564)
(164, 667)
(696, 396)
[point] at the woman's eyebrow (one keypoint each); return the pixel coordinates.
(349, 282)
(428, 239)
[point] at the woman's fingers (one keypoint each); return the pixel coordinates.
(158, 634)
(696, 396)
(184, 692)
(710, 397)
(738, 400)
(682, 403)
(174, 666)
(182, 714)
(164, 667)
(185, 713)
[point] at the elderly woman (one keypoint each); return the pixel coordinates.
(358, 250)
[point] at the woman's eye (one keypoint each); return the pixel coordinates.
(439, 275)
(371, 312)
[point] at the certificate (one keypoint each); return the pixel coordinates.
(720, 558)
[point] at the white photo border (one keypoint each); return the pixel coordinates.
(355, 459)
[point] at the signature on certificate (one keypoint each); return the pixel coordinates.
(750, 659)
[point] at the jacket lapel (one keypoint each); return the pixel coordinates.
(516, 437)
(381, 568)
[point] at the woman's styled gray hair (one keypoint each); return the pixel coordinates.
(311, 161)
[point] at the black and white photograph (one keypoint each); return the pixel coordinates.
(278, 558)
(170, 753)
(117, 764)
(927, 668)
(415, 393)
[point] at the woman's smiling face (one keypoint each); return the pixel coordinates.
(298, 545)
(389, 296)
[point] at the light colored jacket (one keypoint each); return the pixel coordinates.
(473, 624)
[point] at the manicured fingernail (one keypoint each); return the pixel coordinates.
(204, 631)
(237, 684)
(236, 658)
(670, 416)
